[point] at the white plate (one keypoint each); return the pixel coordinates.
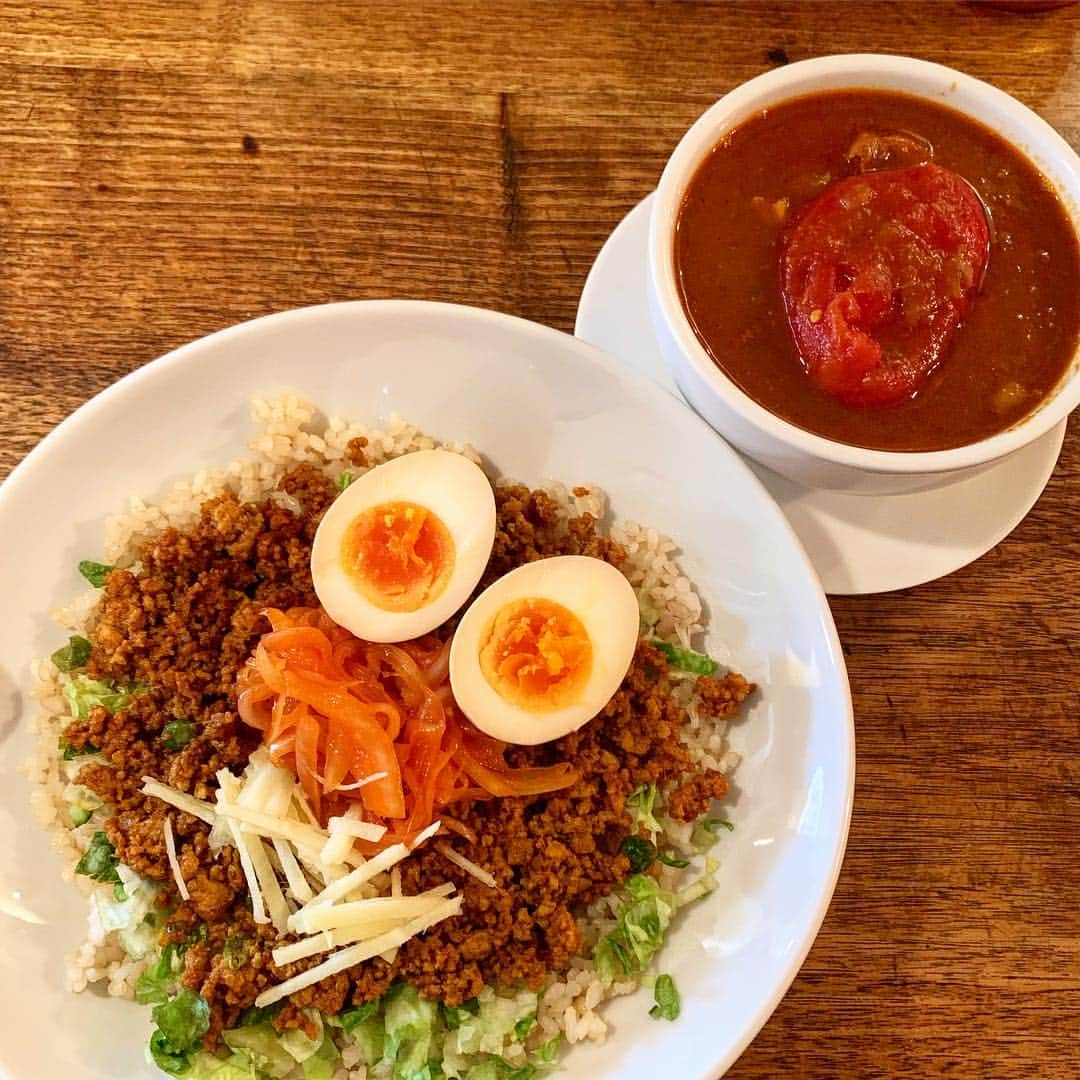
(857, 543)
(539, 404)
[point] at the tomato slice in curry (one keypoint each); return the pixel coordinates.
(878, 273)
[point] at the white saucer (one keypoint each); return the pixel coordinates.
(857, 543)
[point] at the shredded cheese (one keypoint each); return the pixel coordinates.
(467, 865)
(187, 803)
(286, 856)
(357, 954)
(276, 907)
(298, 883)
(301, 950)
(359, 912)
(340, 844)
(361, 830)
(174, 862)
(267, 825)
(228, 784)
(362, 874)
(305, 807)
(425, 834)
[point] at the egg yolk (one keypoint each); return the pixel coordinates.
(536, 654)
(399, 555)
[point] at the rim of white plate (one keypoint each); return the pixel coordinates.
(86, 413)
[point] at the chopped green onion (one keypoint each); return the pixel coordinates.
(712, 824)
(667, 999)
(704, 833)
(344, 480)
(95, 572)
(176, 734)
(73, 655)
(671, 860)
(686, 659)
(79, 815)
(640, 852)
(235, 952)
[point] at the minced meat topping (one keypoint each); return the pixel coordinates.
(185, 622)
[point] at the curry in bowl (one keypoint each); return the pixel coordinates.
(880, 270)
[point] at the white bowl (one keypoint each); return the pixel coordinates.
(787, 449)
(539, 404)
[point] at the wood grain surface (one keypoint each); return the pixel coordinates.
(167, 169)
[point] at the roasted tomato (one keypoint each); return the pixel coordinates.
(878, 273)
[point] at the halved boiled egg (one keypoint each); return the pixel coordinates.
(403, 546)
(542, 650)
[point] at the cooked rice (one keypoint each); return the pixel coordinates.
(288, 433)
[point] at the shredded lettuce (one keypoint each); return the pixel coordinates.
(365, 1026)
(181, 1021)
(496, 1068)
(413, 1039)
(702, 886)
(99, 862)
(686, 659)
(264, 1046)
(455, 1015)
(524, 1026)
(642, 921)
(73, 655)
(496, 1021)
(130, 911)
(667, 999)
(548, 1052)
(254, 1015)
(157, 984)
(237, 1066)
(84, 694)
(95, 572)
(322, 1064)
(298, 1043)
(639, 805)
(409, 1026)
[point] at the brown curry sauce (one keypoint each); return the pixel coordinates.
(1016, 342)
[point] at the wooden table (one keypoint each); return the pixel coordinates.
(166, 174)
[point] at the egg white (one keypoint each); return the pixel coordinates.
(605, 603)
(448, 485)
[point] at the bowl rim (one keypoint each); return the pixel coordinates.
(1054, 157)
